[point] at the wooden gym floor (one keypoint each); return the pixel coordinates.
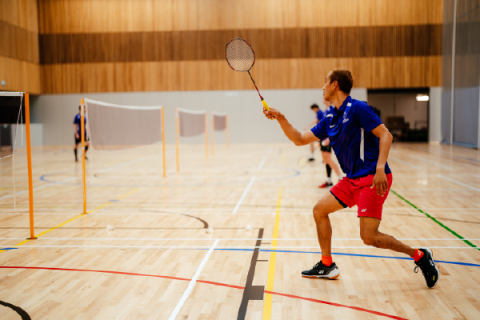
(161, 256)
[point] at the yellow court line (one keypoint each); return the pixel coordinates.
(267, 306)
(74, 218)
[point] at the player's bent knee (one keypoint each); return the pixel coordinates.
(319, 212)
(369, 239)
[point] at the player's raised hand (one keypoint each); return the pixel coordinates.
(272, 113)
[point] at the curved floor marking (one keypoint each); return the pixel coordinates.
(295, 174)
(210, 282)
(22, 313)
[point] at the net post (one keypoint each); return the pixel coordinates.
(213, 134)
(82, 133)
(29, 163)
(177, 133)
(163, 142)
(226, 129)
(206, 135)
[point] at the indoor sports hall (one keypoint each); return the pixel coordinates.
(239, 159)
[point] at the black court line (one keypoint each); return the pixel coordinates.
(22, 313)
(251, 292)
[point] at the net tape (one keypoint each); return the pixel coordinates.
(117, 127)
(239, 55)
(192, 122)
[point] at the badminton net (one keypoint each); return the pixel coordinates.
(10, 121)
(191, 122)
(219, 121)
(13, 179)
(117, 127)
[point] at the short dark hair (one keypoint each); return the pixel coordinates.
(79, 107)
(344, 79)
(313, 106)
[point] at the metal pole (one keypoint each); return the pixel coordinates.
(82, 132)
(453, 72)
(29, 164)
(163, 143)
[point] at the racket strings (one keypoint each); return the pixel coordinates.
(239, 55)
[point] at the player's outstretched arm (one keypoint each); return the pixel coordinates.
(293, 134)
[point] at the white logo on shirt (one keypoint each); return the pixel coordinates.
(332, 126)
(364, 210)
(345, 120)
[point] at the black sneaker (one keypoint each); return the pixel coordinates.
(322, 271)
(428, 267)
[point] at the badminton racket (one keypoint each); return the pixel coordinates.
(241, 57)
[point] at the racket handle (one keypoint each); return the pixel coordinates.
(265, 105)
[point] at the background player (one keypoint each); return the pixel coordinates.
(319, 114)
(326, 150)
(362, 143)
(77, 129)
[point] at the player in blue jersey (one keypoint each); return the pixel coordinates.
(362, 143)
(319, 116)
(325, 147)
(77, 129)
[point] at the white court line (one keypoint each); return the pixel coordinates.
(237, 239)
(206, 247)
(269, 150)
(430, 161)
(303, 212)
(262, 163)
(192, 282)
(458, 182)
(243, 195)
(405, 162)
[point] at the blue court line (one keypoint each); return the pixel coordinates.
(354, 255)
(8, 248)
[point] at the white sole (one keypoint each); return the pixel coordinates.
(333, 275)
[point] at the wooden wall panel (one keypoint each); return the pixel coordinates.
(19, 48)
(151, 45)
(381, 72)
(421, 40)
(18, 43)
(20, 13)
(20, 75)
(87, 16)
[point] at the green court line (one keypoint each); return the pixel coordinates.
(441, 224)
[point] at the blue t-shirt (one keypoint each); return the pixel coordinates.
(76, 121)
(320, 115)
(349, 129)
(329, 110)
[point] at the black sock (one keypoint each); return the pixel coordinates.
(86, 149)
(329, 170)
(75, 151)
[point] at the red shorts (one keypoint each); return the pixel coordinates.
(350, 192)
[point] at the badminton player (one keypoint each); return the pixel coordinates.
(78, 129)
(319, 116)
(362, 143)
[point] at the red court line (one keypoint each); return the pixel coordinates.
(209, 282)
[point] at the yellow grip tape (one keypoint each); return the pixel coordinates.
(265, 105)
